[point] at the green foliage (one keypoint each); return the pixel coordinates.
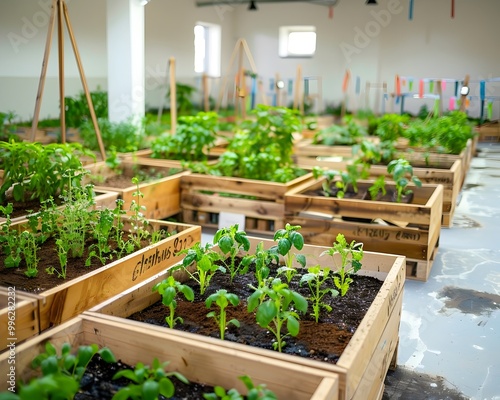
(350, 176)
(230, 240)
(369, 152)
(192, 141)
(148, 383)
(77, 108)
(255, 392)
(169, 289)
(222, 299)
(8, 127)
(276, 305)
(124, 136)
(205, 259)
(351, 255)
(402, 174)
(60, 373)
(378, 187)
(9, 239)
(35, 171)
(261, 260)
(390, 127)
(184, 93)
(317, 280)
(349, 133)
(287, 239)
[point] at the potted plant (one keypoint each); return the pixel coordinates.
(363, 362)
(252, 175)
(85, 255)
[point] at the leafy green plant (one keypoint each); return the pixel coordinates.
(369, 152)
(261, 259)
(255, 392)
(347, 178)
(348, 133)
(288, 238)
(148, 383)
(35, 171)
(351, 255)
(402, 174)
(9, 239)
(29, 247)
(230, 241)
(60, 373)
(317, 280)
(77, 108)
(378, 187)
(184, 93)
(193, 139)
(205, 259)
(390, 127)
(222, 298)
(169, 289)
(276, 305)
(138, 221)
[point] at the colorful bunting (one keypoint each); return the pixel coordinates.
(358, 85)
(410, 11)
(452, 103)
(490, 110)
(421, 88)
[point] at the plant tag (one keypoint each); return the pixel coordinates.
(227, 219)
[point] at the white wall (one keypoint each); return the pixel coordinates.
(431, 46)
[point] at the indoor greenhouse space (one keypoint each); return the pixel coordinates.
(450, 325)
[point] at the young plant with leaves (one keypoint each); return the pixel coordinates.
(350, 255)
(377, 188)
(317, 280)
(9, 239)
(222, 299)
(261, 260)
(205, 259)
(288, 238)
(169, 289)
(276, 305)
(255, 392)
(230, 241)
(402, 174)
(61, 374)
(148, 383)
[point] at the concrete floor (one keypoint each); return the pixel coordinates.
(450, 327)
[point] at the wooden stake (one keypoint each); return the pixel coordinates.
(204, 83)
(60, 43)
(173, 97)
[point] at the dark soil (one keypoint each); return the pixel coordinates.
(144, 173)
(324, 341)
(98, 383)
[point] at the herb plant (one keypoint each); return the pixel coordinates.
(287, 239)
(351, 255)
(276, 305)
(148, 383)
(261, 259)
(378, 187)
(230, 240)
(402, 174)
(205, 259)
(222, 298)
(169, 289)
(9, 239)
(317, 280)
(255, 392)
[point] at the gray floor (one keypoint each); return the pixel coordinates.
(450, 326)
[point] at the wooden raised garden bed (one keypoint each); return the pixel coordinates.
(204, 197)
(363, 364)
(161, 195)
(18, 317)
(71, 297)
(489, 132)
(198, 361)
(410, 229)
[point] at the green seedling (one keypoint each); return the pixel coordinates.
(317, 280)
(378, 187)
(255, 392)
(138, 231)
(60, 374)
(351, 255)
(276, 305)
(287, 239)
(29, 247)
(205, 259)
(230, 241)
(169, 289)
(261, 260)
(148, 382)
(222, 298)
(9, 239)
(402, 174)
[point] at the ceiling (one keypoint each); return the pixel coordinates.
(202, 3)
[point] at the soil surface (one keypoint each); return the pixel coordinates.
(324, 341)
(144, 173)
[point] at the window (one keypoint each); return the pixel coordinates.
(297, 41)
(207, 49)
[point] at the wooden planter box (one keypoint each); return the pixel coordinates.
(199, 362)
(203, 198)
(411, 229)
(161, 197)
(447, 173)
(489, 132)
(72, 297)
(364, 363)
(18, 317)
